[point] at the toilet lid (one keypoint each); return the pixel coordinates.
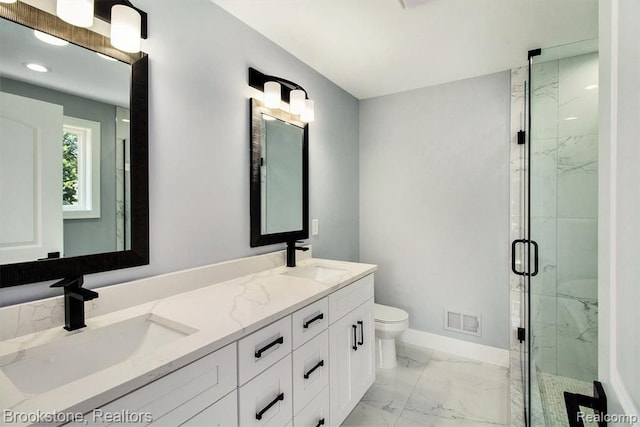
(386, 314)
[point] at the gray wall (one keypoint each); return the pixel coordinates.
(199, 145)
(95, 235)
(434, 167)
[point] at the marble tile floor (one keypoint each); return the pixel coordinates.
(430, 388)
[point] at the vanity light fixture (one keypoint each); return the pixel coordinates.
(126, 24)
(8, 1)
(75, 12)
(296, 101)
(272, 94)
(48, 38)
(277, 90)
(308, 115)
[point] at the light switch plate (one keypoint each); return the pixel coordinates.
(314, 227)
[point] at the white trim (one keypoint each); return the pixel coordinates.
(623, 397)
(470, 350)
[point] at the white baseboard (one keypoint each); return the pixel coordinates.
(480, 352)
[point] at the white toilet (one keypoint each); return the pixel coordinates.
(390, 323)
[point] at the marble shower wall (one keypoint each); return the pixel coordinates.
(518, 355)
(564, 222)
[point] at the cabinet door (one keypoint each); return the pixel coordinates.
(342, 344)
(352, 356)
(364, 360)
(223, 413)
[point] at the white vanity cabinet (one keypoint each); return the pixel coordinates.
(351, 347)
(307, 369)
(177, 397)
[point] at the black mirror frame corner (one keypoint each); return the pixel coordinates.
(56, 268)
(257, 238)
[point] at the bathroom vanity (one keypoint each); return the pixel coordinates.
(282, 346)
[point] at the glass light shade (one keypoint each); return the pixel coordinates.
(125, 28)
(75, 12)
(308, 115)
(272, 94)
(8, 1)
(296, 101)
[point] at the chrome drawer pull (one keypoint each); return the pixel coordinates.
(306, 324)
(268, 346)
(308, 374)
(266, 408)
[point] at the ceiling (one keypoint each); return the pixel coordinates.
(377, 47)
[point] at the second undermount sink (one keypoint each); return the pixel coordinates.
(316, 272)
(76, 355)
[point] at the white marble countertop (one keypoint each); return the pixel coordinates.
(219, 314)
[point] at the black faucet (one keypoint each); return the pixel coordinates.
(74, 297)
(291, 252)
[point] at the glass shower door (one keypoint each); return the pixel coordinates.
(561, 228)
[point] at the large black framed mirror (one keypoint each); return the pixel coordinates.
(82, 80)
(279, 176)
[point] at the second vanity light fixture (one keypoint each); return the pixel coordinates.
(276, 90)
(128, 24)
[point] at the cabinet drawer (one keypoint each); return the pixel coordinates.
(310, 321)
(223, 413)
(348, 298)
(310, 360)
(266, 400)
(316, 413)
(188, 390)
(263, 348)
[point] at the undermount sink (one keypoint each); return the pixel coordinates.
(76, 355)
(316, 272)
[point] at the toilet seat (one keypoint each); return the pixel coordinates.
(386, 314)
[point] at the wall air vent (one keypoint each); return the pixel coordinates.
(462, 322)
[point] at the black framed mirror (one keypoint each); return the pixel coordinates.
(39, 262)
(279, 176)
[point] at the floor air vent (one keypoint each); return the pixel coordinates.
(462, 322)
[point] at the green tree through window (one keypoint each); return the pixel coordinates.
(69, 168)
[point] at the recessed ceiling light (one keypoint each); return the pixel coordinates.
(48, 38)
(591, 87)
(571, 118)
(108, 58)
(37, 67)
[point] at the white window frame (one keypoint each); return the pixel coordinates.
(88, 133)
